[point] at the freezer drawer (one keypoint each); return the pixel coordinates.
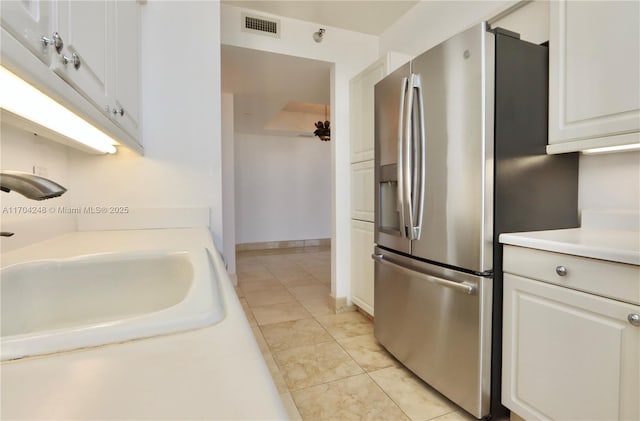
(437, 322)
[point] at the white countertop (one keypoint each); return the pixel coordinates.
(606, 244)
(216, 372)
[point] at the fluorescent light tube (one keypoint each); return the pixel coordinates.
(24, 100)
(606, 149)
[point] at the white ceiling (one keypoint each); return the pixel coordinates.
(367, 16)
(264, 83)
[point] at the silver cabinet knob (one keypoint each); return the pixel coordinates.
(55, 40)
(118, 110)
(634, 319)
(561, 270)
(74, 59)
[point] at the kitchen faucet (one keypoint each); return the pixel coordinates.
(29, 185)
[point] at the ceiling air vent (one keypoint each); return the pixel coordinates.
(260, 25)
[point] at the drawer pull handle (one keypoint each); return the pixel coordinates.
(561, 270)
(55, 40)
(74, 59)
(634, 319)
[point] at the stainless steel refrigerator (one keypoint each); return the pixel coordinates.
(460, 157)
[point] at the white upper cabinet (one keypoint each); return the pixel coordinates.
(29, 22)
(126, 63)
(85, 58)
(101, 55)
(98, 59)
(362, 111)
(594, 74)
(362, 104)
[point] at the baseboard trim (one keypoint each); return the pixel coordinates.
(283, 244)
(233, 278)
(339, 305)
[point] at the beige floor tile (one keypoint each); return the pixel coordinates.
(287, 335)
(324, 280)
(315, 364)
(262, 344)
(248, 313)
(285, 272)
(264, 285)
(270, 296)
(276, 262)
(276, 375)
(282, 268)
(257, 275)
(368, 353)
(310, 291)
(316, 269)
(345, 325)
(458, 415)
(354, 398)
(290, 407)
(419, 401)
(248, 263)
(276, 313)
(239, 292)
(317, 306)
(303, 280)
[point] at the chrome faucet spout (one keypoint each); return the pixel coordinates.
(30, 185)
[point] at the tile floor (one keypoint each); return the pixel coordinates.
(326, 366)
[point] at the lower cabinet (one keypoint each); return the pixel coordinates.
(362, 265)
(569, 354)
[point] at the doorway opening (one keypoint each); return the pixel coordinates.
(276, 173)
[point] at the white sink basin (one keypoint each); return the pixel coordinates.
(58, 305)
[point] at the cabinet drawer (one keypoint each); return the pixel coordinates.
(619, 281)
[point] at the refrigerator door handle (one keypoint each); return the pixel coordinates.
(419, 147)
(463, 287)
(407, 158)
(400, 167)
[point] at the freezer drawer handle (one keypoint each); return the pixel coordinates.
(458, 286)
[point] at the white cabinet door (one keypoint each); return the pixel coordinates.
(362, 113)
(568, 354)
(362, 265)
(362, 104)
(594, 74)
(362, 191)
(28, 21)
(84, 26)
(127, 66)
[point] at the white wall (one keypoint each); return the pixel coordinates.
(228, 186)
(350, 52)
(530, 21)
(180, 67)
(430, 22)
(21, 151)
(283, 188)
(610, 181)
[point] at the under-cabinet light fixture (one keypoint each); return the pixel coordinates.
(24, 100)
(609, 149)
